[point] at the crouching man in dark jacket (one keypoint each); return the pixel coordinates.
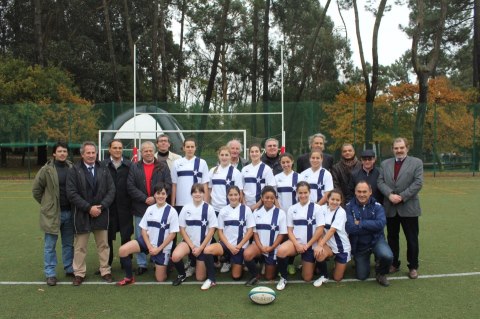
(365, 223)
(91, 191)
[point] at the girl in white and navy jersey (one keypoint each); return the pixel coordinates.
(287, 192)
(159, 226)
(335, 240)
(197, 223)
(305, 223)
(221, 178)
(287, 182)
(235, 228)
(256, 176)
(270, 231)
(320, 180)
(187, 171)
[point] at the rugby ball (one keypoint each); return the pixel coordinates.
(262, 295)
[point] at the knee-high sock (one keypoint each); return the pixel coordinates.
(180, 267)
(322, 268)
(210, 267)
(252, 267)
(282, 266)
(127, 266)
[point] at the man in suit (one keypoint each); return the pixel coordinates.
(90, 189)
(400, 181)
(316, 141)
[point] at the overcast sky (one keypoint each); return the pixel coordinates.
(392, 42)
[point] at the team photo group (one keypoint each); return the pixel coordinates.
(253, 216)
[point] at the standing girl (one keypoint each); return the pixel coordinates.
(159, 227)
(320, 179)
(305, 223)
(235, 228)
(335, 240)
(197, 223)
(221, 178)
(255, 177)
(270, 230)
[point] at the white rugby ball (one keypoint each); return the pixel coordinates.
(262, 295)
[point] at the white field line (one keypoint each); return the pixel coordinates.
(241, 282)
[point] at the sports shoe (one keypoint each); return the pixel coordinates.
(413, 273)
(252, 281)
(126, 281)
(291, 270)
(320, 281)
(52, 281)
(281, 283)
(382, 280)
(207, 284)
(189, 272)
(225, 267)
(179, 280)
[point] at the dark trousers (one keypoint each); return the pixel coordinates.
(411, 230)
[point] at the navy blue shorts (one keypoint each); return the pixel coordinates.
(342, 258)
(160, 259)
(234, 259)
(270, 259)
(308, 256)
(200, 257)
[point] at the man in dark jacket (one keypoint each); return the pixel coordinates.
(316, 141)
(142, 178)
(121, 218)
(365, 223)
(342, 171)
(91, 191)
(271, 156)
(367, 172)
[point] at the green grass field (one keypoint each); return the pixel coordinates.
(449, 239)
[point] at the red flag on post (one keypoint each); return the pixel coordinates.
(135, 155)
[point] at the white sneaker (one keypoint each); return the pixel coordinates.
(190, 271)
(225, 267)
(207, 284)
(320, 281)
(281, 283)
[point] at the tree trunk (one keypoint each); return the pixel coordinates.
(126, 18)
(155, 53)
(255, 21)
(476, 47)
(163, 52)
(116, 80)
(213, 72)
(307, 65)
(266, 98)
(424, 71)
(38, 32)
(180, 54)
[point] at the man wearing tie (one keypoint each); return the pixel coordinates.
(91, 191)
(400, 181)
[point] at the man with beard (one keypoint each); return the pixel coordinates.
(342, 171)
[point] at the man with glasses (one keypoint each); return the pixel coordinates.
(163, 151)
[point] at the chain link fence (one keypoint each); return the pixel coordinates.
(450, 132)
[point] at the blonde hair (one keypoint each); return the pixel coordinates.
(222, 148)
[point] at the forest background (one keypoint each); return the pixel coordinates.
(66, 68)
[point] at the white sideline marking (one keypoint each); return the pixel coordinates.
(241, 282)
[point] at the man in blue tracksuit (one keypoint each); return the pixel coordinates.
(365, 223)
